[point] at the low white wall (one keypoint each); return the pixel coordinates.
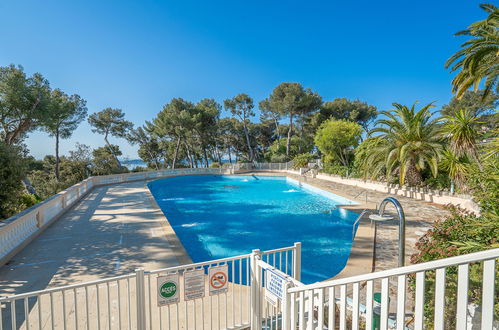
(20, 229)
(410, 192)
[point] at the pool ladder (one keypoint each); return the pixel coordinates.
(356, 221)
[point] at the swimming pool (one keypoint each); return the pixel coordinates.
(217, 216)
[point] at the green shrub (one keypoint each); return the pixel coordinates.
(302, 160)
(28, 200)
(215, 165)
(12, 171)
(278, 158)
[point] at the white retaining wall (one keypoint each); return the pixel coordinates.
(427, 195)
(20, 229)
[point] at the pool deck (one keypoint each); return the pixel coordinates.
(111, 231)
(118, 228)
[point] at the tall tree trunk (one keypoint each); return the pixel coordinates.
(288, 143)
(413, 175)
(205, 158)
(112, 151)
(189, 156)
(176, 153)
(57, 155)
(230, 155)
(250, 150)
(278, 133)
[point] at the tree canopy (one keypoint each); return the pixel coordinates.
(64, 114)
(291, 99)
(23, 103)
(110, 122)
(478, 59)
(337, 138)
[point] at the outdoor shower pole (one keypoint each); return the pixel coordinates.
(401, 215)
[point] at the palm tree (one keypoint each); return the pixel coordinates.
(491, 147)
(457, 167)
(461, 130)
(478, 57)
(411, 141)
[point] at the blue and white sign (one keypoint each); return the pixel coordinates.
(274, 287)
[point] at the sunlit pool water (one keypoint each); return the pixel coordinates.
(218, 216)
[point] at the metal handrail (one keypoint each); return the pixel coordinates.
(401, 215)
(356, 221)
(363, 191)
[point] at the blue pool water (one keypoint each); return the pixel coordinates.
(218, 216)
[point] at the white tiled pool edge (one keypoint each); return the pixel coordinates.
(341, 200)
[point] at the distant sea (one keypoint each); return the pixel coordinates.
(133, 163)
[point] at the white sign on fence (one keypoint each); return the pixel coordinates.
(168, 289)
(274, 287)
(194, 284)
(219, 279)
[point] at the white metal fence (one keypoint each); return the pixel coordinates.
(261, 166)
(131, 301)
(437, 294)
(443, 292)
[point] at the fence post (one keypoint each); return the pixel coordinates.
(141, 298)
(286, 308)
(297, 261)
(255, 315)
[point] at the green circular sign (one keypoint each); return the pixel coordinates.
(168, 289)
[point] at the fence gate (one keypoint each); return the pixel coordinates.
(217, 294)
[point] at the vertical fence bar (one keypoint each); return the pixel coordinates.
(52, 310)
(384, 303)
(320, 309)
(255, 315)
(64, 309)
(86, 308)
(98, 305)
(119, 304)
(343, 307)
(129, 303)
(301, 311)
(234, 292)
(439, 299)
(141, 299)
(150, 297)
(13, 314)
(355, 309)
(292, 322)
(369, 304)
(419, 304)
(1, 319)
(297, 261)
(331, 309)
(462, 296)
(39, 303)
(241, 290)
(401, 289)
(26, 313)
(108, 305)
(286, 309)
(310, 309)
(488, 294)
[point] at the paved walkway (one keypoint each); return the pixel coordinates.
(112, 231)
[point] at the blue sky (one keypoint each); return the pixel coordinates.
(137, 55)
